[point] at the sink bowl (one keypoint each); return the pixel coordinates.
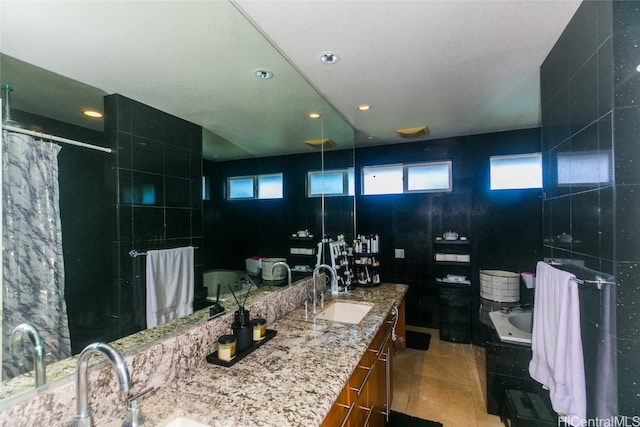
(513, 327)
(344, 312)
(522, 321)
(185, 422)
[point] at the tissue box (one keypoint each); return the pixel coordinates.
(254, 265)
(529, 279)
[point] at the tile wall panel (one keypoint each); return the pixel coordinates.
(601, 41)
(505, 227)
(159, 165)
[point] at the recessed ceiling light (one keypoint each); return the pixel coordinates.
(363, 107)
(313, 115)
(263, 74)
(638, 68)
(93, 114)
(329, 58)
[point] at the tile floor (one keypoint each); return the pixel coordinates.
(444, 383)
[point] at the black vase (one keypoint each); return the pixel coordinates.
(243, 334)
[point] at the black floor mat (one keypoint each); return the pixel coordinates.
(396, 419)
(418, 340)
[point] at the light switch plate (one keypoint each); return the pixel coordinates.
(399, 253)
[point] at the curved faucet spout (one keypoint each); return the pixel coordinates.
(37, 349)
(83, 416)
(334, 280)
(284, 264)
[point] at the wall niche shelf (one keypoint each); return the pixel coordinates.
(452, 262)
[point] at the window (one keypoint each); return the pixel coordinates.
(206, 188)
(382, 179)
(516, 172)
(338, 182)
(585, 168)
(407, 178)
(240, 188)
(270, 186)
(255, 187)
(429, 177)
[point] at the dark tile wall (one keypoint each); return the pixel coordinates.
(86, 211)
(158, 196)
(504, 226)
(591, 104)
(235, 230)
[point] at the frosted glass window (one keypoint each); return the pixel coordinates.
(331, 183)
(429, 177)
(382, 179)
(240, 188)
(206, 188)
(584, 168)
(351, 182)
(516, 172)
(270, 186)
(148, 194)
(255, 187)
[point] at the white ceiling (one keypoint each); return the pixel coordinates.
(459, 67)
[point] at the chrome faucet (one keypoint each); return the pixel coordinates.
(37, 349)
(284, 264)
(334, 281)
(83, 416)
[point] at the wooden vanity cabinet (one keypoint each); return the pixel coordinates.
(367, 396)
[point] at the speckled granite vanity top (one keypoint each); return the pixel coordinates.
(292, 380)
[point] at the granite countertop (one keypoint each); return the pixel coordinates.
(292, 380)
(65, 368)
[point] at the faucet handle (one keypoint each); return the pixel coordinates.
(134, 414)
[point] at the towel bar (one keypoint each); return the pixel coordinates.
(133, 253)
(599, 281)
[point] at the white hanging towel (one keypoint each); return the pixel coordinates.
(557, 362)
(169, 285)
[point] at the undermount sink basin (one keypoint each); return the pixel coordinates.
(513, 327)
(344, 312)
(522, 321)
(185, 422)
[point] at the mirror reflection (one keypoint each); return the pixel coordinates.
(148, 194)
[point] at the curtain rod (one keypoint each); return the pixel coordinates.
(56, 138)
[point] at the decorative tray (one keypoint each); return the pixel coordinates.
(213, 357)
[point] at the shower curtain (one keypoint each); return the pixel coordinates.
(33, 276)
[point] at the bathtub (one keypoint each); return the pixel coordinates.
(238, 280)
(514, 327)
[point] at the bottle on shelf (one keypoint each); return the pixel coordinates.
(366, 260)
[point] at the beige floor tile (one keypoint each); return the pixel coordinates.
(453, 369)
(444, 383)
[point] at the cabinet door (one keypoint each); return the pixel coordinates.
(367, 396)
(341, 410)
(379, 387)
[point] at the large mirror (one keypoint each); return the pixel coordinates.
(243, 118)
